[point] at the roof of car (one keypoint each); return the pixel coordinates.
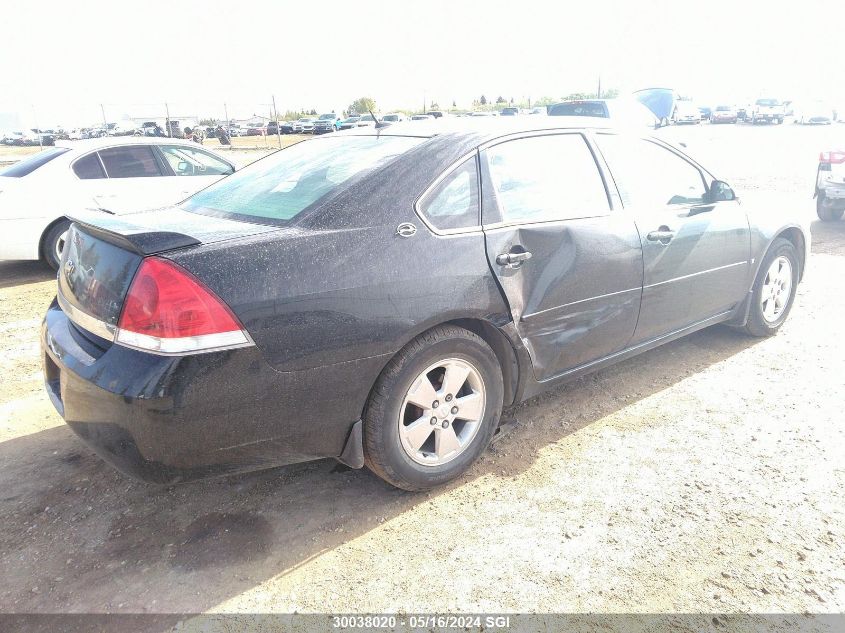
(112, 141)
(484, 127)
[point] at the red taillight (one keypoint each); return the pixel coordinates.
(832, 157)
(168, 311)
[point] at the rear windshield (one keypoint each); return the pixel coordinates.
(579, 109)
(767, 102)
(279, 187)
(29, 165)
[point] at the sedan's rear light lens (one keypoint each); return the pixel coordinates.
(832, 157)
(169, 311)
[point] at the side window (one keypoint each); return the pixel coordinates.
(454, 203)
(545, 178)
(649, 175)
(88, 167)
(135, 161)
(187, 161)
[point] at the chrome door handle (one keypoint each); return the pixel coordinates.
(663, 235)
(512, 259)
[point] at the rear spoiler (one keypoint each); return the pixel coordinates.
(118, 230)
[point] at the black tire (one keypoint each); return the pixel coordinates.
(383, 450)
(49, 243)
(757, 324)
(825, 213)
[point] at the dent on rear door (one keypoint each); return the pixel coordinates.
(577, 299)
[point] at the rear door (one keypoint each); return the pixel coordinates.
(695, 255)
(570, 265)
(130, 178)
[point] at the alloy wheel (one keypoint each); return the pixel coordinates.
(777, 287)
(442, 412)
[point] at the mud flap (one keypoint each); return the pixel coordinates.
(353, 451)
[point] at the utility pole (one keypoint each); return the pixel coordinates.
(598, 94)
(278, 126)
(105, 123)
(167, 110)
(226, 112)
(423, 101)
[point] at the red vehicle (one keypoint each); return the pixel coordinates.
(256, 130)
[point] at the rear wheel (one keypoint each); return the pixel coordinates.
(774, 289)
(827, 213)
(53, 243)
(433, 410)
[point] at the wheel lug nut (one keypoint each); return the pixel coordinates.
(454, 409)
(445, 423)
(435, 404)
(449, 397)
(433, 421)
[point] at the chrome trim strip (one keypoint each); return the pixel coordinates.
(701, 272)
(525, 317)
(184, 345)
(85, 320)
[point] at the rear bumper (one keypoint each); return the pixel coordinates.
(167, 419)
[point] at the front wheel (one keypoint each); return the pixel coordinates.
(433, 410)
(53, 243)
(774, 289)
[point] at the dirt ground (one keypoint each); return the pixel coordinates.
(704, 476)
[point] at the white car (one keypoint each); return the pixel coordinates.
(366, 120)
(394, 117)
(113, 175)
(686, 112)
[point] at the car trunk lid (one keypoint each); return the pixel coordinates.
(103, 252)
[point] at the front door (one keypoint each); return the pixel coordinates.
(570, 266)
(695, 253)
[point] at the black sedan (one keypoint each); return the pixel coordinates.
(379, 296)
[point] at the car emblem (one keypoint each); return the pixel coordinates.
(69, 267)
(406, 229)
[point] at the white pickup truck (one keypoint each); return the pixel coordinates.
(768, 110)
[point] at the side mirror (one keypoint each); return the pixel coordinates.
(720, 192)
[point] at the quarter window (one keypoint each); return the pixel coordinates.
(89, 167)
(545, 178)
(649, 175)
(137, 161)
(187, 161)
(453, 204)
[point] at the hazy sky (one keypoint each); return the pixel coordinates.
(60, 60)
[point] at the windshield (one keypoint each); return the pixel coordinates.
(723, 108)
(328, 117)
(579, 108)
(286, 183)
(767, 102)
(390, 117)
(29, 165)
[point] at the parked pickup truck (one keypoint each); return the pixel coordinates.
(768, 110)
(830, 186)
